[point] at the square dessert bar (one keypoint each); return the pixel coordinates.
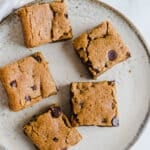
(45, 22)
(94, 103)
(101, 48)
(27, 81)
(52, 130)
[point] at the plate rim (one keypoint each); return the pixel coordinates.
(146, 48)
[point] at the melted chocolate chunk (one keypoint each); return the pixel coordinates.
(104, 120)
(56, 111)
(13, 83)
(28, 98)
(33, 87)
(66, 15)
(37, 58)
(128, 54)
(115, 122)
(112, 55)
(111, 82)
(106, 65)
(55, 139)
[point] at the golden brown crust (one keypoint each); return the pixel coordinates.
(94, 47)
(50, 132)
(27, 81)
(93, 103)
(44, 23)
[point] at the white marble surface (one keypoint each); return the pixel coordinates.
(138, 12)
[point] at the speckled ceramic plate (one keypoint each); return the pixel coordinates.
(132, 77)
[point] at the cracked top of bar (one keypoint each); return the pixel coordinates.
(101, 48)
(52, 130)
(27, 81)
(44, 23)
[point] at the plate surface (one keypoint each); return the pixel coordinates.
(132, 78)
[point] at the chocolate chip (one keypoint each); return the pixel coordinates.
(65, 33)
(111, 82)
(66, 15)
(64, 148)
(93, 85)
(115, 122)
(33, 87)
(56, 111)
(128, 54)
(104, 120)
(37, 58)
(28, 98)
(112, 55)
(55, 139)
(106, 65)
(13, 83)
